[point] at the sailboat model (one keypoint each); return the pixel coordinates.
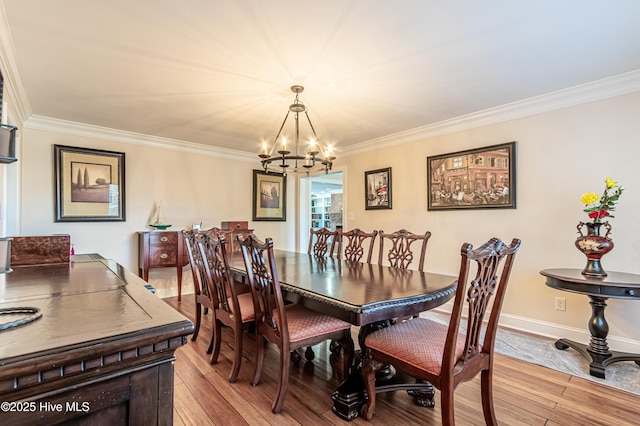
(159, 220)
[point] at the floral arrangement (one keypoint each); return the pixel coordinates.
(598, 207)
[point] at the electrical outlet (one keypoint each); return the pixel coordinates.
(561, 304)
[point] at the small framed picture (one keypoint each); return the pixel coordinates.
(269, 196)
(377, 189)
(89, 185)
(475, 178)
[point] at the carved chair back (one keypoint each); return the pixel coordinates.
(230, 236)
(488, 282)
(202, 292)
(217, 273)
(265, 286)
(410, 345)
(322, 241)
(403, 244)
(357, 244)
(231, 307)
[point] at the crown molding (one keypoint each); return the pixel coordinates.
(11, 72)
(596, 90)
(48, 124)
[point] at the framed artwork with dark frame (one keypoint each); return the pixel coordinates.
(475, 178)
(269, 196)
(89, 185)
(377, 189)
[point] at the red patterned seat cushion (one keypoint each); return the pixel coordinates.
(418, 342)
(304, 323)
(245, 300)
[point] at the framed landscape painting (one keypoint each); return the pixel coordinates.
(269, 196)
(89, 184)
(377, 189)
(475, 178)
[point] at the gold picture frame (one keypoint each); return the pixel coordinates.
(89, 185)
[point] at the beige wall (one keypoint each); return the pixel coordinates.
(194, 187)
(561, 155)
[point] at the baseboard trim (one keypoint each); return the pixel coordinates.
(556, 331)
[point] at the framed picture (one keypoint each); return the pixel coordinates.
(476, 178)
(269, 196)
(89, 184)
(377, 189)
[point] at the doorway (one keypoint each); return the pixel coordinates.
(321, 204)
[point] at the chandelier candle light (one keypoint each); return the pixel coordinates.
(310, 161)
(594, 245)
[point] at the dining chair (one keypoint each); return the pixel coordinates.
(442, 354)
(290, 326)
(200, 289)
(401, 251)
(230, 308)
(354, 248)
(322, 241)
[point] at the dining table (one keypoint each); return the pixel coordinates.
(366, 295)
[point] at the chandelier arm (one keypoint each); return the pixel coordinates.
(275, 140)
(311, 125)
(297, 133)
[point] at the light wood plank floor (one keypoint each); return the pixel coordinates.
(524, 393)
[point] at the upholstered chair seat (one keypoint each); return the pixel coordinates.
(419, 342)
(304, 323)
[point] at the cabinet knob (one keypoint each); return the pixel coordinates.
(164, 256)
(163, 239)
(631, 292)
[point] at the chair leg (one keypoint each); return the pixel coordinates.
(283, 384)
(211, 342)
(196, 327)
(486, 388)
(369, 368)
(237, 358)
(447, 405)
(217, 340)
(259, 358)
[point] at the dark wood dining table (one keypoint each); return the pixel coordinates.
(365, 295)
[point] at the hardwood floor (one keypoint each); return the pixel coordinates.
(524, 393)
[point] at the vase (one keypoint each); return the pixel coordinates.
(594, 246)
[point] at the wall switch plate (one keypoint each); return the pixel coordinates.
(561, 304)
(352, 216)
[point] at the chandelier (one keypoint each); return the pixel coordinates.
(315, 158)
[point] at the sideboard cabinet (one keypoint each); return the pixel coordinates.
(161, 249)
(102, 352)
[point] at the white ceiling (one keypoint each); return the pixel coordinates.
(218, 72)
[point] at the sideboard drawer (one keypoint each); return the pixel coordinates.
(163, 239)
(163, 256)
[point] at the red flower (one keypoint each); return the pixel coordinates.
(598, 214)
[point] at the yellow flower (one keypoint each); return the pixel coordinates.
(589, 198)
(610, 183)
